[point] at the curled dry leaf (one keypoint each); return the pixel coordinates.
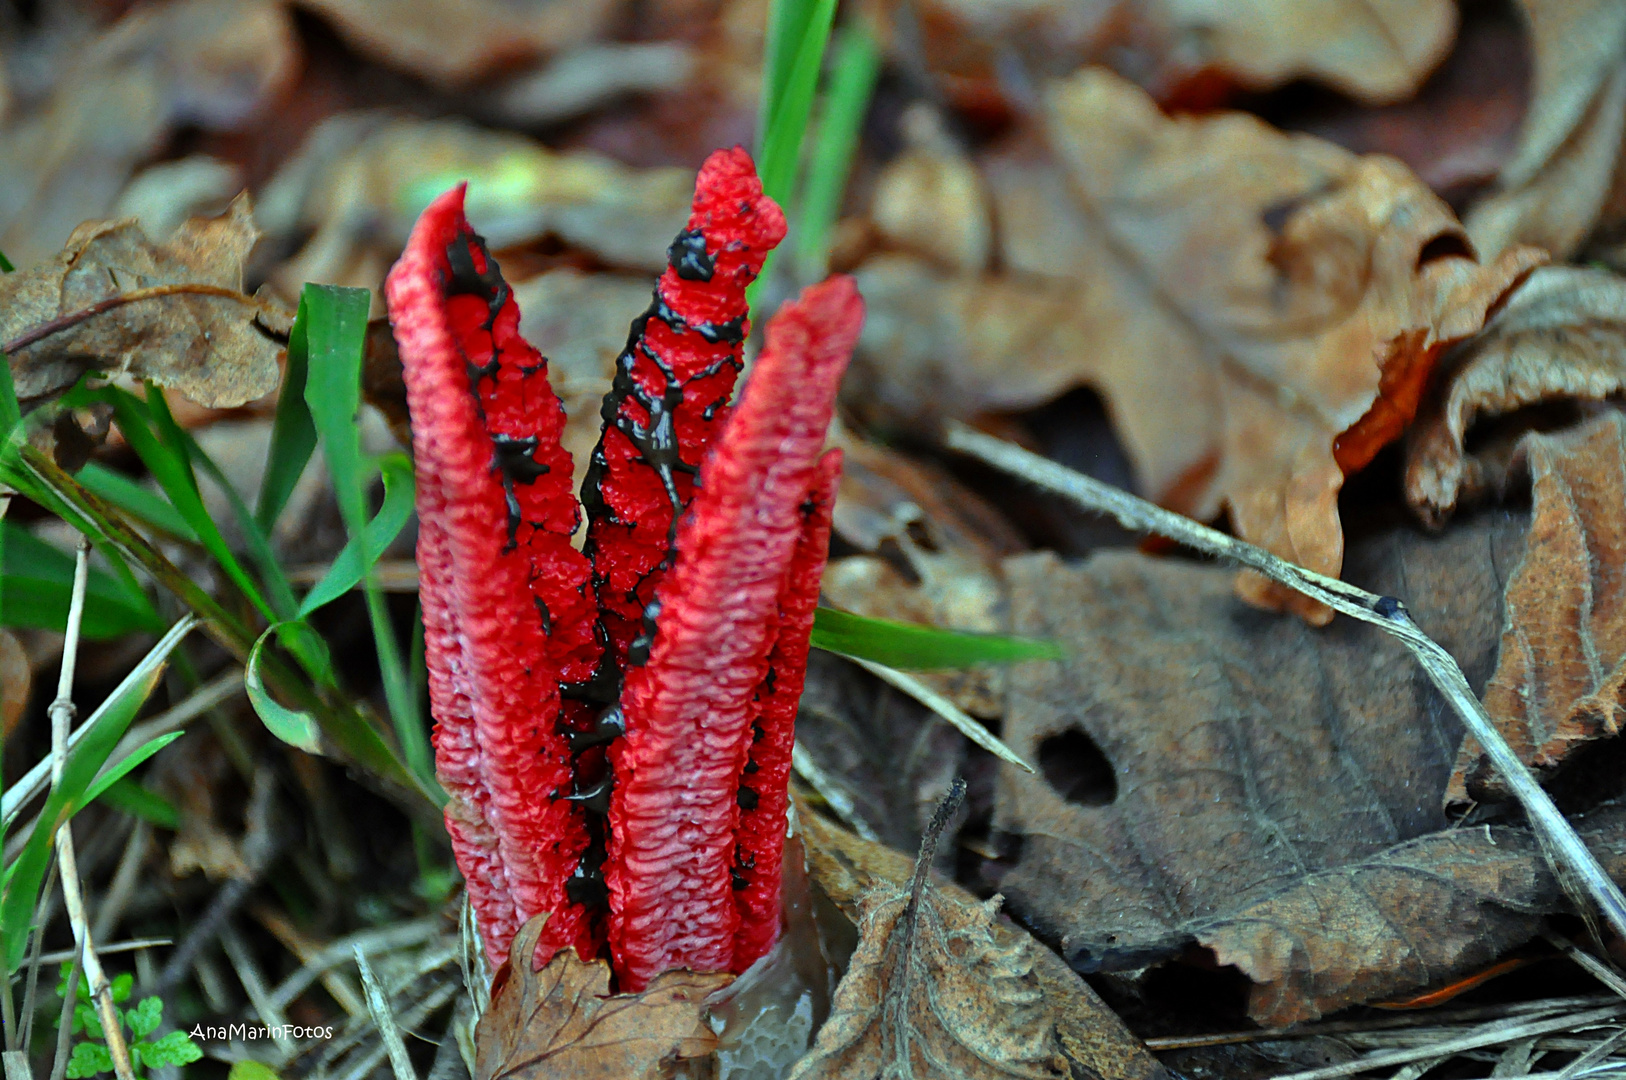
(362, 179)
(453, 42)
(1560, 336)
(562, 1023)
(1421, 914)
(113, 301)
(205, 63)
(1560, 678)
(1296, 294)
(963, 979)
(1560, 182)
(1199, 758)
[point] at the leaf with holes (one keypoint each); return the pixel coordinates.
(1199, 758)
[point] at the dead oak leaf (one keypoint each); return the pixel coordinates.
(1297, 295)
(868, 881)
(1560, 336)
(115, 302)
(453, 42)
(1562, 178)
(1560, 678)
(562, 1023)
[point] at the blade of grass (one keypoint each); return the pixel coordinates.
(787, 25)
(24, 876)
(34, 781)
(789, 86)
(120, 769)
(145, 506)
(143, 803)
(350, 566)
(293, 434)
(295, 727)
(906, 645)
(336, 334)
(342, 723)
(172, 468)
(39, 579)
(856, 67)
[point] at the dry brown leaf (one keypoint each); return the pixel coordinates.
(1296, 295)
(113, 301)
(1198, 757)
(562, 1023)
(16, 681)
(1560, 336)
(1421, 914)
(1559, 181)
(869, 881)
(453, 42)
(1560, 678)
(205, 63)
(1375, 52)
(361, 180)
(930, 200)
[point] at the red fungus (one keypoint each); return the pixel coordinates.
(529, 641)
(680, 770)
(506, 615)
(670, 395)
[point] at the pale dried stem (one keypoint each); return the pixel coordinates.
(62, 712)
(961, 721)
(1575, 867)
(378, 1003)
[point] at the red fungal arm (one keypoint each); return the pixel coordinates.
(765, 783)
(675, 813)
(507, 617)
(670, 396)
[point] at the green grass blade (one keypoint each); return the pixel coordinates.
(115, 773)
(168, 462)
(787, 25)
(293, 433)
(39, 581)
(142, 802)
(336, 333)
(787, 124)
(856, 67)
(10, 411)
(912, 647)
(352, 563)
(145, 506)
(27, 873)
(293, 726)
(279, 591)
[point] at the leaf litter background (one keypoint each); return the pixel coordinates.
(1343, 277)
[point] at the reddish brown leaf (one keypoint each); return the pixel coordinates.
(1560, 678)
(1560, 337)
(562, 1021)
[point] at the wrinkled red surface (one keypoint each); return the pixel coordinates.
(675, 815)
(759, 847)
(507, 618)
(629, 505)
